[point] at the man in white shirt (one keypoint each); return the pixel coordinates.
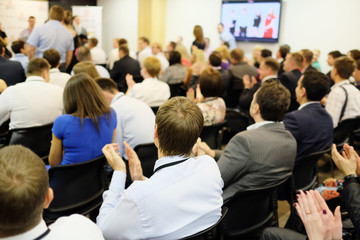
(56, 77)
(84, 55)
(181, 198)
(157, 51)
(97, 54)
(144, 50)
(343, 101)
(34, 102)
(25, 192)
(135, 118)
(151, 90)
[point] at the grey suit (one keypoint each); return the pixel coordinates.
(256, 158)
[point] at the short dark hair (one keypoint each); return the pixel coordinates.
(357, 64)
(237, 54)
(145, 39)
(107, 84)
(122, 41)
(179, 120)
(2, 47)
(284, 50)
(56, 13)
(355, 54)
(173, 44)
(124, 48)
(344, 66)
(307, 54)
(36, 66)
(272, 63)
(316, 84)
(335, 54)
(83, 54)
(297, 58)
(273, 99)
(16, 46)
(266, 53)
(215, 59)
(174, 57)
(210, 83)
(52, 56)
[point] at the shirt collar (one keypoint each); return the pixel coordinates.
(259, 124)
(268, 77)
(167, 159)
(343, 82)
(31, 234)
(307, 103)
(54, 70)
(35, 79)
(117, 96)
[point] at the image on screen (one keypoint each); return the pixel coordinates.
(256, 20)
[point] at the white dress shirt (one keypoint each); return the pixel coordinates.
(336, 99)
(151, 91)
(113, 57)
(175, 202)
(258, 124)
(102, 71)
(146, 52)
(163, 61)
(31, 103)
(59, 78)
(135, 122)
(98, 55)
(73, 227)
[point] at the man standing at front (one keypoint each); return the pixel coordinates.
(181, 198)
(226, 36)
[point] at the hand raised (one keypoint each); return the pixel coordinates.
(136, 172)
(113, 158)
(347, 162)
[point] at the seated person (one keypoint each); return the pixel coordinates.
(56, 77)
(151, 91)
(88, 124)
(182, 188)
(86, 67)
(135, 119)
(25, 191)
(18, 48)
(263, 155)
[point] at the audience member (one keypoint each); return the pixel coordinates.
(144, 50)
(84, 55)
(264, 54)
(179, 183)
(151, 91)
(34, 102)
(308, 57)
(356, 74)
(86, 67)
(311, 125)
(11, 72)
(281, 55)
(184, 55)
(264, 154)
(24, 35)
(256, 54)
(292, 67)
(135, 119)
(157, 52)
(4, 42)
(343, 101)
(126, 65)
(56, 77)
(18, 48)
(199, 37)
(215, 63)
(175, 73)
(25, 191)
(52, 35)
(87, 125)
(114, 54)
(332, 56)
(226, 36)
(315, 60)
(198, 65)
(225, 56)
(98, 55)
(171, 46)
(354, 54)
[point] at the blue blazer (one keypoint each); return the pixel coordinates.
(312, 128)
(11, 71)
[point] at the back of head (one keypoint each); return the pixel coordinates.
(284, 50)
(198, 33)
(210, 83)
(83, 54)
(52, 56)
(237, 54)
(36, 66)
(273, 99)
(215, 59)
(182, 50)
(179, 123)
(86, 67)
(316, 85)
(124, 48)
(355, 54)
(94, 41)
(67, 17)
(174, 57)
(23, 188)
(107, 84)
(56, 13)
(297, 59)
(266, 53)
(307, 54)
(152, 66)
(357, 64)
(172, 44)
(122, 41)
(344, 66)
(224, 50)
(272, 63)
(335, 54)
(16, 46)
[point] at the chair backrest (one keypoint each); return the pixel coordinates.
(212, 232)
(76, 185)
(148, 154)
(236, 122)
(177, 90)
(38, 139)
(212, 134)
(305, 173)
(155, 109)
(250, 211)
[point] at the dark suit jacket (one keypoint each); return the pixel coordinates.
(122, 67)
(312, 128)
(11, 71)
(289, 80)
(310, 69)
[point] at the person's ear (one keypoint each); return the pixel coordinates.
(156, 138)
(256, 108)
(49, 197)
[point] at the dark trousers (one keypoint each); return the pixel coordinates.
(274, 233)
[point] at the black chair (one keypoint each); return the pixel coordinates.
(236, 122)
(155, 109)
(78, 188)
(177, 90)
(4, 131)
(250, 212)
(38, 139)
(211, 233)
(213, 134)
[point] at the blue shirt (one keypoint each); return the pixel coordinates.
(226, 36)
(21, 58)
(83, 143)
(51, 35)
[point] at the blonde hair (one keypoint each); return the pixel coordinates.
(152, 66)
(199, 56)
(86, 67)
(225, 52)
(182, 50)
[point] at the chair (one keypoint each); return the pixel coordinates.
(211, 233)
(236, 122)
(78, 188)
(4, 131)
(251, 211)
(177, 90)
(155, 109)
(38, 139)
(213, 134)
